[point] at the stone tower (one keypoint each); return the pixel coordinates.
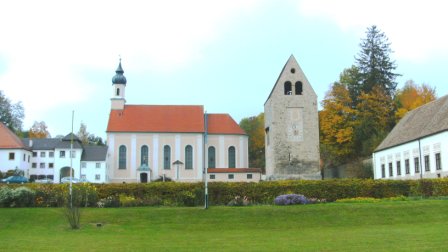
(292, 127)
(118, 86)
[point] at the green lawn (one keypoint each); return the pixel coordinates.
(385, 226)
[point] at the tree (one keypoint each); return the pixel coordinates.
(83, 135)
(11, 114)
(254, 127)
(39, 130)
(412, 96)
(95, 140)
(374, 64)
(337, 124)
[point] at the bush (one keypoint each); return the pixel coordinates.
(239, 201)
(290, 199)
(17, 197)
(5, 196)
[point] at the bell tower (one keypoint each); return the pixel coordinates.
(292, 127)
(119, 85)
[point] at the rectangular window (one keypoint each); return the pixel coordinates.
(230, 176)
(426, 163)
(34, 154)
(416, 165)
(249, 176)
(62, 154)
(406, 166)
(383, 171)
(98, 165)
(51, 165)
(51, 154)
(97, 176)
(83, 176)
(438, 162)
(28, 158)
(212, 176)
(42, 154)
(398, 168)
(391, 170)
(24, 157)
(34, 165)
(83, 165)
(42, 165)
(12, 156)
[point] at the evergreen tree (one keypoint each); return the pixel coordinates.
(374, 64)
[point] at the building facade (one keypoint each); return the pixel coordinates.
(292, 127)
(180, 142)
(417, 146)
(13, 153)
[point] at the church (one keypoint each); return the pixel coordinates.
(176, 142)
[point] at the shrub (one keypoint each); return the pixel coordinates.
(290, 199)
(23, 197)
(5, 196)
(239, 201)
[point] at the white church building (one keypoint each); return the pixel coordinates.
(417, 147)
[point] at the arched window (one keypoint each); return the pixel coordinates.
(299, 88)
(188, 157)
(211, 157)
(118, 92)
(122, 157)
(232, 157)
(166, 157)
(288, 88)
(144, 155)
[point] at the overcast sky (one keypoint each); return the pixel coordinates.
(59, 56)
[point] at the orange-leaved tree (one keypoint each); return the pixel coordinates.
(412, 96)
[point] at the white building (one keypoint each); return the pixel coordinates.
(417, 147)
(146, 142)
(13, 153)
(51, 159)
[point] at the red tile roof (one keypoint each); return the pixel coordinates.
(233, 170)
(157, 118)
(9, 140)
(223, 124)
(170, 118)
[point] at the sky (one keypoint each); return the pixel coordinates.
(60, 56)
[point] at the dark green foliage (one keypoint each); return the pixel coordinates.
(221, 193)
(11, 114)
(374, 64)
(17, 197)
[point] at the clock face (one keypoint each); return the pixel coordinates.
(294, 124)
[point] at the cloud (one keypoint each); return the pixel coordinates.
(415, 28)
(45, 42)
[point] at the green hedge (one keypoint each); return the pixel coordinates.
(221, 193)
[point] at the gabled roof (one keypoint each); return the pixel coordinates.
(423, 121)
(157, 118)
(94, 153)
(9, 140)
(41, 143)
(298, 74)
(170, 119)
(223, 124)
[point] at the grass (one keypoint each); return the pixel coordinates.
(383, 226)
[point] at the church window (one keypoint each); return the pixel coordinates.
(288, 88)
(293, 70)
(188, 157)
(298, 88)
(232, 157)
(144, 155)
(166, 157)
(118, 92)
(122, 157)
(211, 157)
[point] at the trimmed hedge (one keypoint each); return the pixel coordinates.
(221, 193)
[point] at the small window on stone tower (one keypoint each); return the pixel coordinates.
(293, 70)
(288, 88)
(299, 88)
(118, 92)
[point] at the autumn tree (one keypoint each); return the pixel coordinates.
(11, 114)
(337, 124)
(412, 96)
(254, 127)
(39, 130)
(375, 65)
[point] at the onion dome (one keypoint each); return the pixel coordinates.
(119, 77)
